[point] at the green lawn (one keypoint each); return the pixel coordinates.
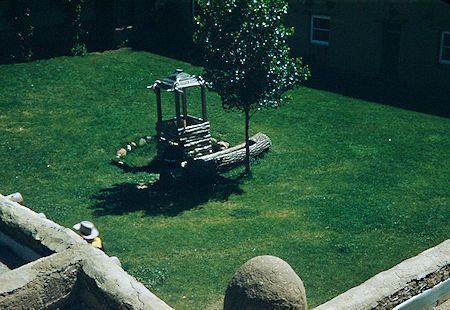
(348, 189)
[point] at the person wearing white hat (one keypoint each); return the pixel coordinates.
(89, 233)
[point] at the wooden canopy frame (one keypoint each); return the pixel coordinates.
(177, 83)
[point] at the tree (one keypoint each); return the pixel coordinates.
(246, 55)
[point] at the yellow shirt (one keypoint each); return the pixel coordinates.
(97, 242)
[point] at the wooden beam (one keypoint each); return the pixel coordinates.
(183, 97)
(158, 104)
(205, 118)
(177, 108)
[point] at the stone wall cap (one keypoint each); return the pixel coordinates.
(386, 283)
(51, 235)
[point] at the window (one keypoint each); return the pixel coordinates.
(320, 29)
(445, 48)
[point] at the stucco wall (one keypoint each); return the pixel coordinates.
(356, 38)
(64, 271)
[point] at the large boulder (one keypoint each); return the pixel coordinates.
(265, 283)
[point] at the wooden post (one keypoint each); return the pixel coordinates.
(158, 104)
(205, 119)
(177, 108)
(183, 99)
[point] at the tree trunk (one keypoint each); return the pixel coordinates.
(247, 143)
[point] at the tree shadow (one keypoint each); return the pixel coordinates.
(163, 198)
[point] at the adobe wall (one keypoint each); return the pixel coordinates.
(356, 39)
(64, 271)
(378, 291)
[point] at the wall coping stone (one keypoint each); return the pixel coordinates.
(68, 248)
(51, 236)
(386, 283)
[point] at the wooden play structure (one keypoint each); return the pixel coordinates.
(184, 136)
(186, 139)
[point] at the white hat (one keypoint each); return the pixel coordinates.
(87, 230)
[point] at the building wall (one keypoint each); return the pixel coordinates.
(420, 46)
(357, 43)
(357, 38)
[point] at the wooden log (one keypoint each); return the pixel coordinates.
(195, 120)
(197, 145)
(200, 151)
(183, 100)
(190, 131)
(194, 134)
(196, 138)
(196, 127)
(177, 109)
(203, 92)
(158, 104)
(229, 158)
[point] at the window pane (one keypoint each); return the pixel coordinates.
(445, 54)
(321, 23)
(321, 35)
(446, 41)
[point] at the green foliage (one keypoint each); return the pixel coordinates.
(24, 31)
(246, 54)
(74, 11)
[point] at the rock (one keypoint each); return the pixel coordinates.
(148, 138)
(223, 145)
(116, 260)
(133, 143)
(214, 140)
(265, 283)
(16, 197)
(142, 142)
(121, 152)
(128, 147)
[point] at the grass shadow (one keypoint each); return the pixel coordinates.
(163, 198)
(385, 91)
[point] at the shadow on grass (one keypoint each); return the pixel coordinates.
(384, 91)
(162, 198)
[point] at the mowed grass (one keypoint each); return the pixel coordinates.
(348, 189)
